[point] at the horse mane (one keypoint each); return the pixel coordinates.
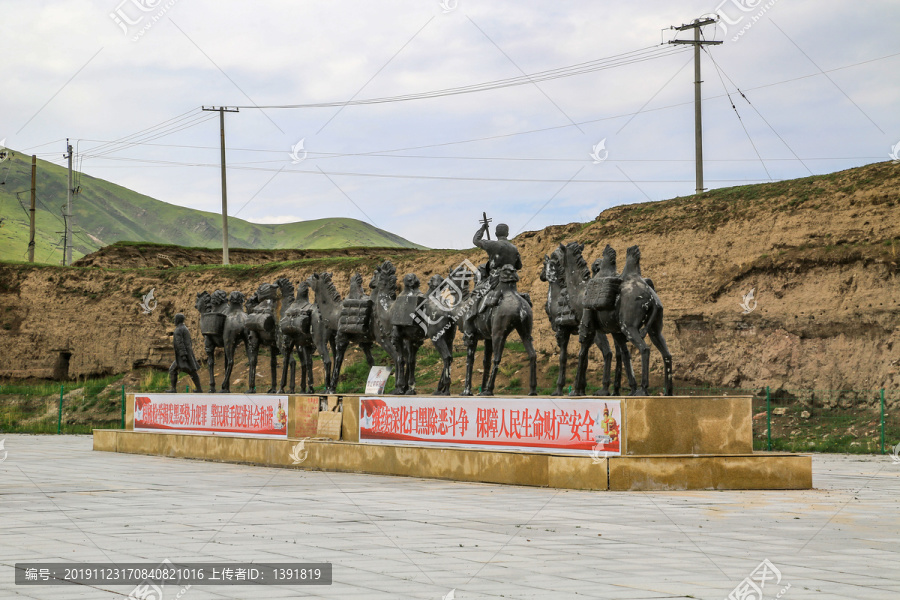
(580, 263)
(632, 262)
(329, 287)
(388, 272)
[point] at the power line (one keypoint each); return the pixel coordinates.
(619, 60)
(531, 131)
(730, 101)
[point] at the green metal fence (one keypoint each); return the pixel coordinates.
(808, 420)
(795, 420)
(61, 408)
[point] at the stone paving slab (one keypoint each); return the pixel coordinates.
(395, 537)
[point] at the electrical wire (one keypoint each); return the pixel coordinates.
(618, 60)
(730, 101)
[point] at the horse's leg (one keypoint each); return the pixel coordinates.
(656, 336)
(622, 345)
(525, 334)
(210, 347)
(634, 336)
(414, 346)
(603, 344)
(289, 357)
(499, 342)
(443, 388)
(229, 364)
(471, 346)
(341, 343)
(288, 349)
(252, 357)
(617, 384)
(273, 366)
(322, 345)
(586, 332)
(367, 350)
(562, 340)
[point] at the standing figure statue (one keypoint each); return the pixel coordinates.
(497, 308)
(184, 356)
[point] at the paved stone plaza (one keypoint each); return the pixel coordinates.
(392, 537)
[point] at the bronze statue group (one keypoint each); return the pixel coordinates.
(591, 302)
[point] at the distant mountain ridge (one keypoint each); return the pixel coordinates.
(106, 213)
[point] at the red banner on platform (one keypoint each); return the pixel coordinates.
(220, 414)
(586, 426)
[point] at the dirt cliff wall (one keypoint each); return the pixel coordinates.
(820, 252)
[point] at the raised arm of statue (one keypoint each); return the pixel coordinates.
(479, 235)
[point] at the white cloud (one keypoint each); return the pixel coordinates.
(289, 52)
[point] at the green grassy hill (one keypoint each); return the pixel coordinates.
(106, 213)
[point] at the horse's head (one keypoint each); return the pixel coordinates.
(287, 288)
(236, 299)
(384, 277)
(435, 282)
(202, 304)
(218, 298)
(410, 283)
(606, 264)
(303, 291)
(508, 274)
(633, 253)
(266, 291)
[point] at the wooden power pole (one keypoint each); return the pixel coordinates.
(698, 120)
(222, 110)
(31, 212)
(67, 252)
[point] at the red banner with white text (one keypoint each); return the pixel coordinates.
(587, 426)
(220, 414)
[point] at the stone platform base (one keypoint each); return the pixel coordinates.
(761, 471)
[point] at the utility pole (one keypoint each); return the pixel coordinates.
(67, 256)
(222, 110)
(31, 212)
(698, 121)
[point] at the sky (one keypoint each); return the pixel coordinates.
(819, 89)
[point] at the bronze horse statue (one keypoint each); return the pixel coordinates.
(493, 326)
(429, 315)
(234, 332)
(337, 322)
(407, 335)
(625, 306)
(296, 333)
(262, 330)
(565, 323)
